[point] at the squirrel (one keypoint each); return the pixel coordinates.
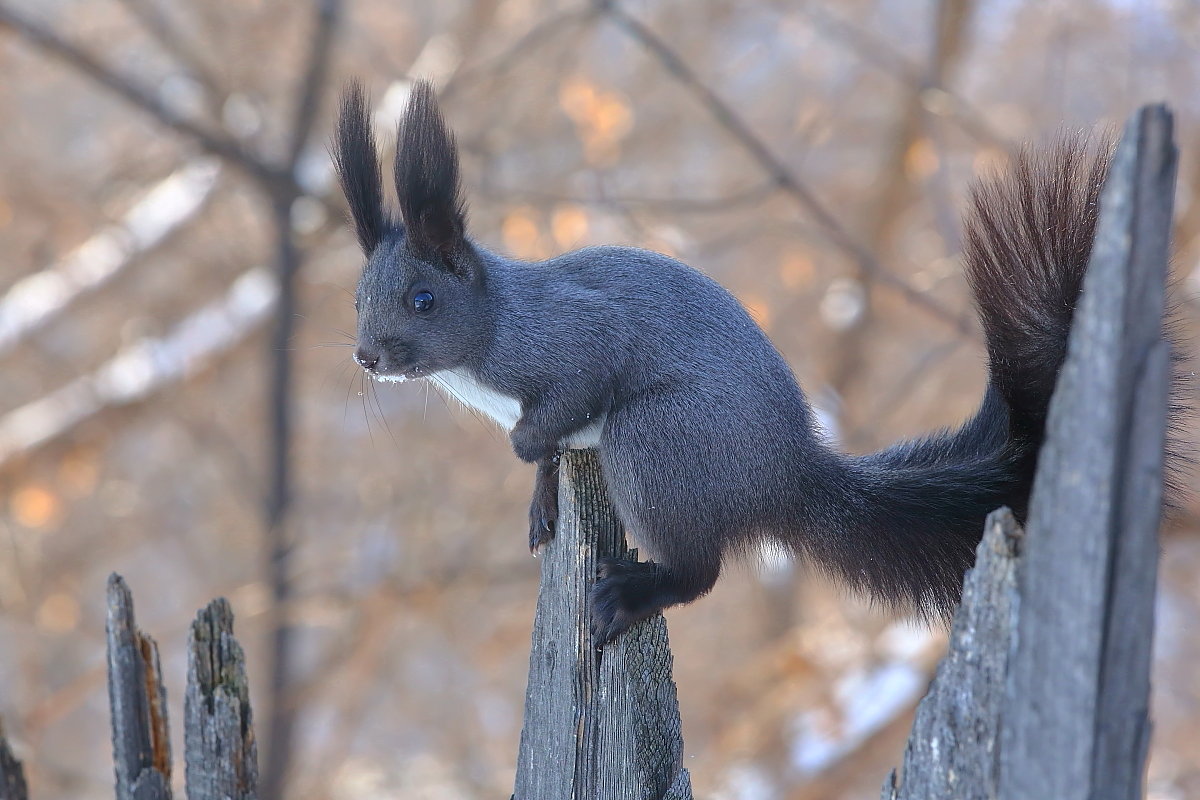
(705, 438)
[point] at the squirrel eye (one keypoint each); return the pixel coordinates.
(422, 302)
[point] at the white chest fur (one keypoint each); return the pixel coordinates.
(463, 387)
(503, 409)
(587, 436)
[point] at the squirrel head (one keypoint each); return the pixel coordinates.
(421, 302)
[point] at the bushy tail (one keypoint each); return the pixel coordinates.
(917, 508)
(1028, 236)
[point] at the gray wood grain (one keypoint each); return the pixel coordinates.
(219, 747)
(1076, 726)
(1122, 723)
(1045, 690)
(138, 701)
(12, 776)
(952, 749)
(598, 724)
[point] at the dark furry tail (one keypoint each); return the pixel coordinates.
(1027, 242)
(920, 505)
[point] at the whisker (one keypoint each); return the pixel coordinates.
(346, 406)
(379, 410)
(340, 373)
(308, 347)
(341, 333)
(362, 386)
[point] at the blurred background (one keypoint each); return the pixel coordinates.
(177, 402)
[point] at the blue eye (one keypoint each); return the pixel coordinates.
(422, 302)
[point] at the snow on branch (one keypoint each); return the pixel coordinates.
(34, 300)
(144, 367)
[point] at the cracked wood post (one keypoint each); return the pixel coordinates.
(1076, 723)
(951, 750)
(219, 746)
(1045, 691)
(12, 776)
(599, 724)
(141, 745)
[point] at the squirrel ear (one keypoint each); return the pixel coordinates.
(427, 179)
(357, 163)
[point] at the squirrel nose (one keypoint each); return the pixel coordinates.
(367, 359)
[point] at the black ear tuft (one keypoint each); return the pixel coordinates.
(357, 162)
(427, 177)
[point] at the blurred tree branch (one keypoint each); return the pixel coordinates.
(154, 21)
(278, 183)
(519, 49)
(172, 204)
(220, 145)
(316, 74)
(671, 205)
(271, 178)
(898, 187)
(784, 177)
(903, 389)
(281, 719)
(883, 55)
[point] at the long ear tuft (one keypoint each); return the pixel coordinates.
(357, 162)
(427, 177)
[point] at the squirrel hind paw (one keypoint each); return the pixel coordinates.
(625, 594)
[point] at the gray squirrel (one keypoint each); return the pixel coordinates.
(706, 441)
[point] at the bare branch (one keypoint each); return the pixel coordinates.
(883, 55)
(901, 391)
(50, 42)
(671, 205)
(170, 40)
(36, 299)
(142, 368)
(328, 13)
(897, 187)
(521, 47)
(778, 172)
(281, 719)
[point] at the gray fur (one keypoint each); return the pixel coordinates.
(706, 440)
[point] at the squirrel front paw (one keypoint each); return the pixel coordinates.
(543, 522)
(543, 510)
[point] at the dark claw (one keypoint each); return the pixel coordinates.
(608, 619)
(541, 532)
(543, 510)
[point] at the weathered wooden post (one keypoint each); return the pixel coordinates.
(951, 751)
(600, 724)
(141, 744)
(12, 776)
(1076, 723)
(1046, 689)
(219, 748)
